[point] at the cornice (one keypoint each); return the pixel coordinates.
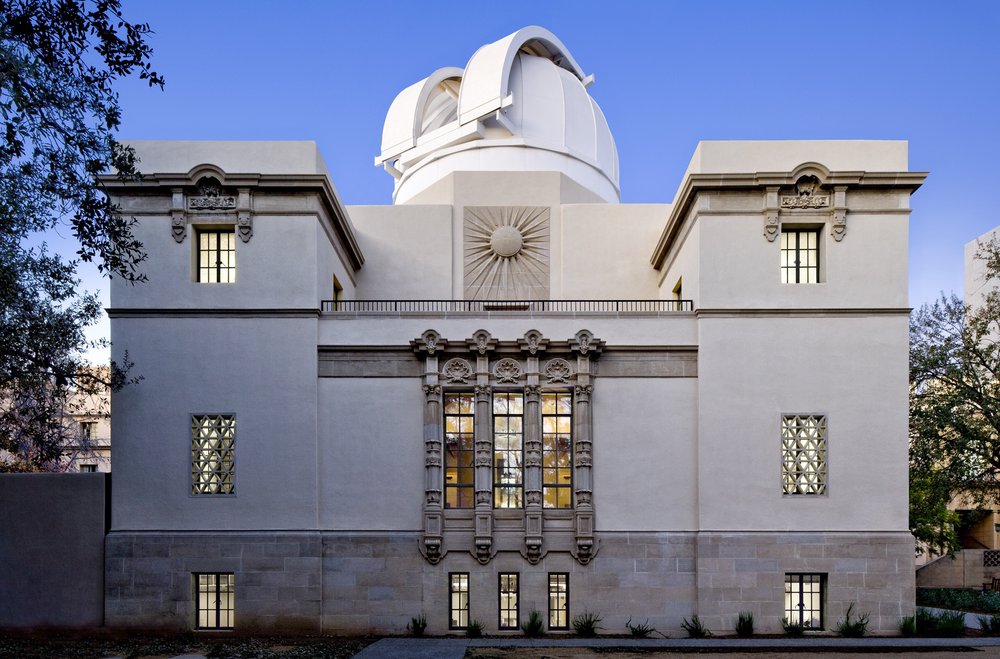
(161, 312)
(695, 183)
(339, 222)
(802, 313)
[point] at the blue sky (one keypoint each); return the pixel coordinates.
(668, 75)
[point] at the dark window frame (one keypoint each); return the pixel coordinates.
(565, 609)
(218, 611)
(469, 488)
(498, 484)
(451, 599)
(558, 485)
(797, 581)
(517, 600)
(212, 255)
(794, 273)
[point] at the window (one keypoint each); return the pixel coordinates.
(458, 588)
(557, 450)
(88, 469)
(212, 443)
(509, 612)
(216, 256)
(508, 449)
(799, 256)
(803, 454)
(558, 600)
(216, 600)
(804, 600)
(88, 430)
(459, 465)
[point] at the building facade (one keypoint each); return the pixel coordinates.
(508, 391)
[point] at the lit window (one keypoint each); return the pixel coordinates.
(804, 600)
(509, 611)
(803, 454)
(458, 588)
(557, 450)
(212, 442)
(88, 430)
(88, 469)
(216, 256)
(216, 600)
(799, 256)
(459, 435)
(558, 600)
(508, 449)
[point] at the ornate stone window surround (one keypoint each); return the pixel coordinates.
(211, 201)
(531, 365)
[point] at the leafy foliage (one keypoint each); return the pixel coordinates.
(989, 625)
(947, 624)
(744, 624)
(59, 112)
(417, 625)
(695, 628)
(962, 599)
(640, 630)
(908, 626)
(474, 630)
(955, 408)
(794, 629)
(586, 624)
(534, 626)
(855, 628)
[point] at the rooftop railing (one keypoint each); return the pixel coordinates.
(492, 306)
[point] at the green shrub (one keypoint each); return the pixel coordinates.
(792, 628)
(587, 624)
(853, 629)
(964, 599)
(744, 624)
(534, 626)
(990, 625)
(695, 628)
(908, 626)
(947, 624)
(640, 630)
(417, 625)
(474, 630)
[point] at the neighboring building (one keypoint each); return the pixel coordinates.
(508, 391)
(88, 448)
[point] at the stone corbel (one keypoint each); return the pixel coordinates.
(178, 218)
(244, 215)
(838, 229)
(772, 223)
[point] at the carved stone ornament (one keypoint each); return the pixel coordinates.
(210, 197)
(839, 227)
(484, 393)
(484, 454)
(178, 227)
(457, 370)
(557, 370)
(771, 226)
(433, 497)
(532, 342)
(506, 252)
(484, 498)
(432, 550)
(583, 393)
(482, 342)
(582, 456)
(507, 370)
(584, 341)
(806, 196)
(432, 390)
(244, 226)
(533, 550)
(429, 342)
(532, 393)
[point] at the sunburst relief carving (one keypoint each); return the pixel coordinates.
(506, 253)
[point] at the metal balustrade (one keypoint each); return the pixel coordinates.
(492, 306)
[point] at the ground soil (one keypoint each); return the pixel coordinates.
(587, 653)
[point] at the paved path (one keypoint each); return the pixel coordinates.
(454, 648)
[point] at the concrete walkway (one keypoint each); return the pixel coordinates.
(454, 648)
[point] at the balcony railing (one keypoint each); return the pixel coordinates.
(500, 306)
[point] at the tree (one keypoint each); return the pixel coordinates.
(955, 408)
(59, 113)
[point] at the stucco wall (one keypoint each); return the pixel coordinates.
(52, 550)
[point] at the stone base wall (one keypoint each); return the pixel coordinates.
(966, 569)
(355, 583)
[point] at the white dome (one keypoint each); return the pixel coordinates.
(521, 104)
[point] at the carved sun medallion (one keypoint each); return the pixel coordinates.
(506, 252)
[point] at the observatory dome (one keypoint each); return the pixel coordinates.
(520, 104)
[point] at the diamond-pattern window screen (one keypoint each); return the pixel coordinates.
(213, 438)
(991, 558)
(803, 454)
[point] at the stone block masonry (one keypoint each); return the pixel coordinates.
(368, 582)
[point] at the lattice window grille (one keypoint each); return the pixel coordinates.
(213, 439)
(803, 454)
(991, 558)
